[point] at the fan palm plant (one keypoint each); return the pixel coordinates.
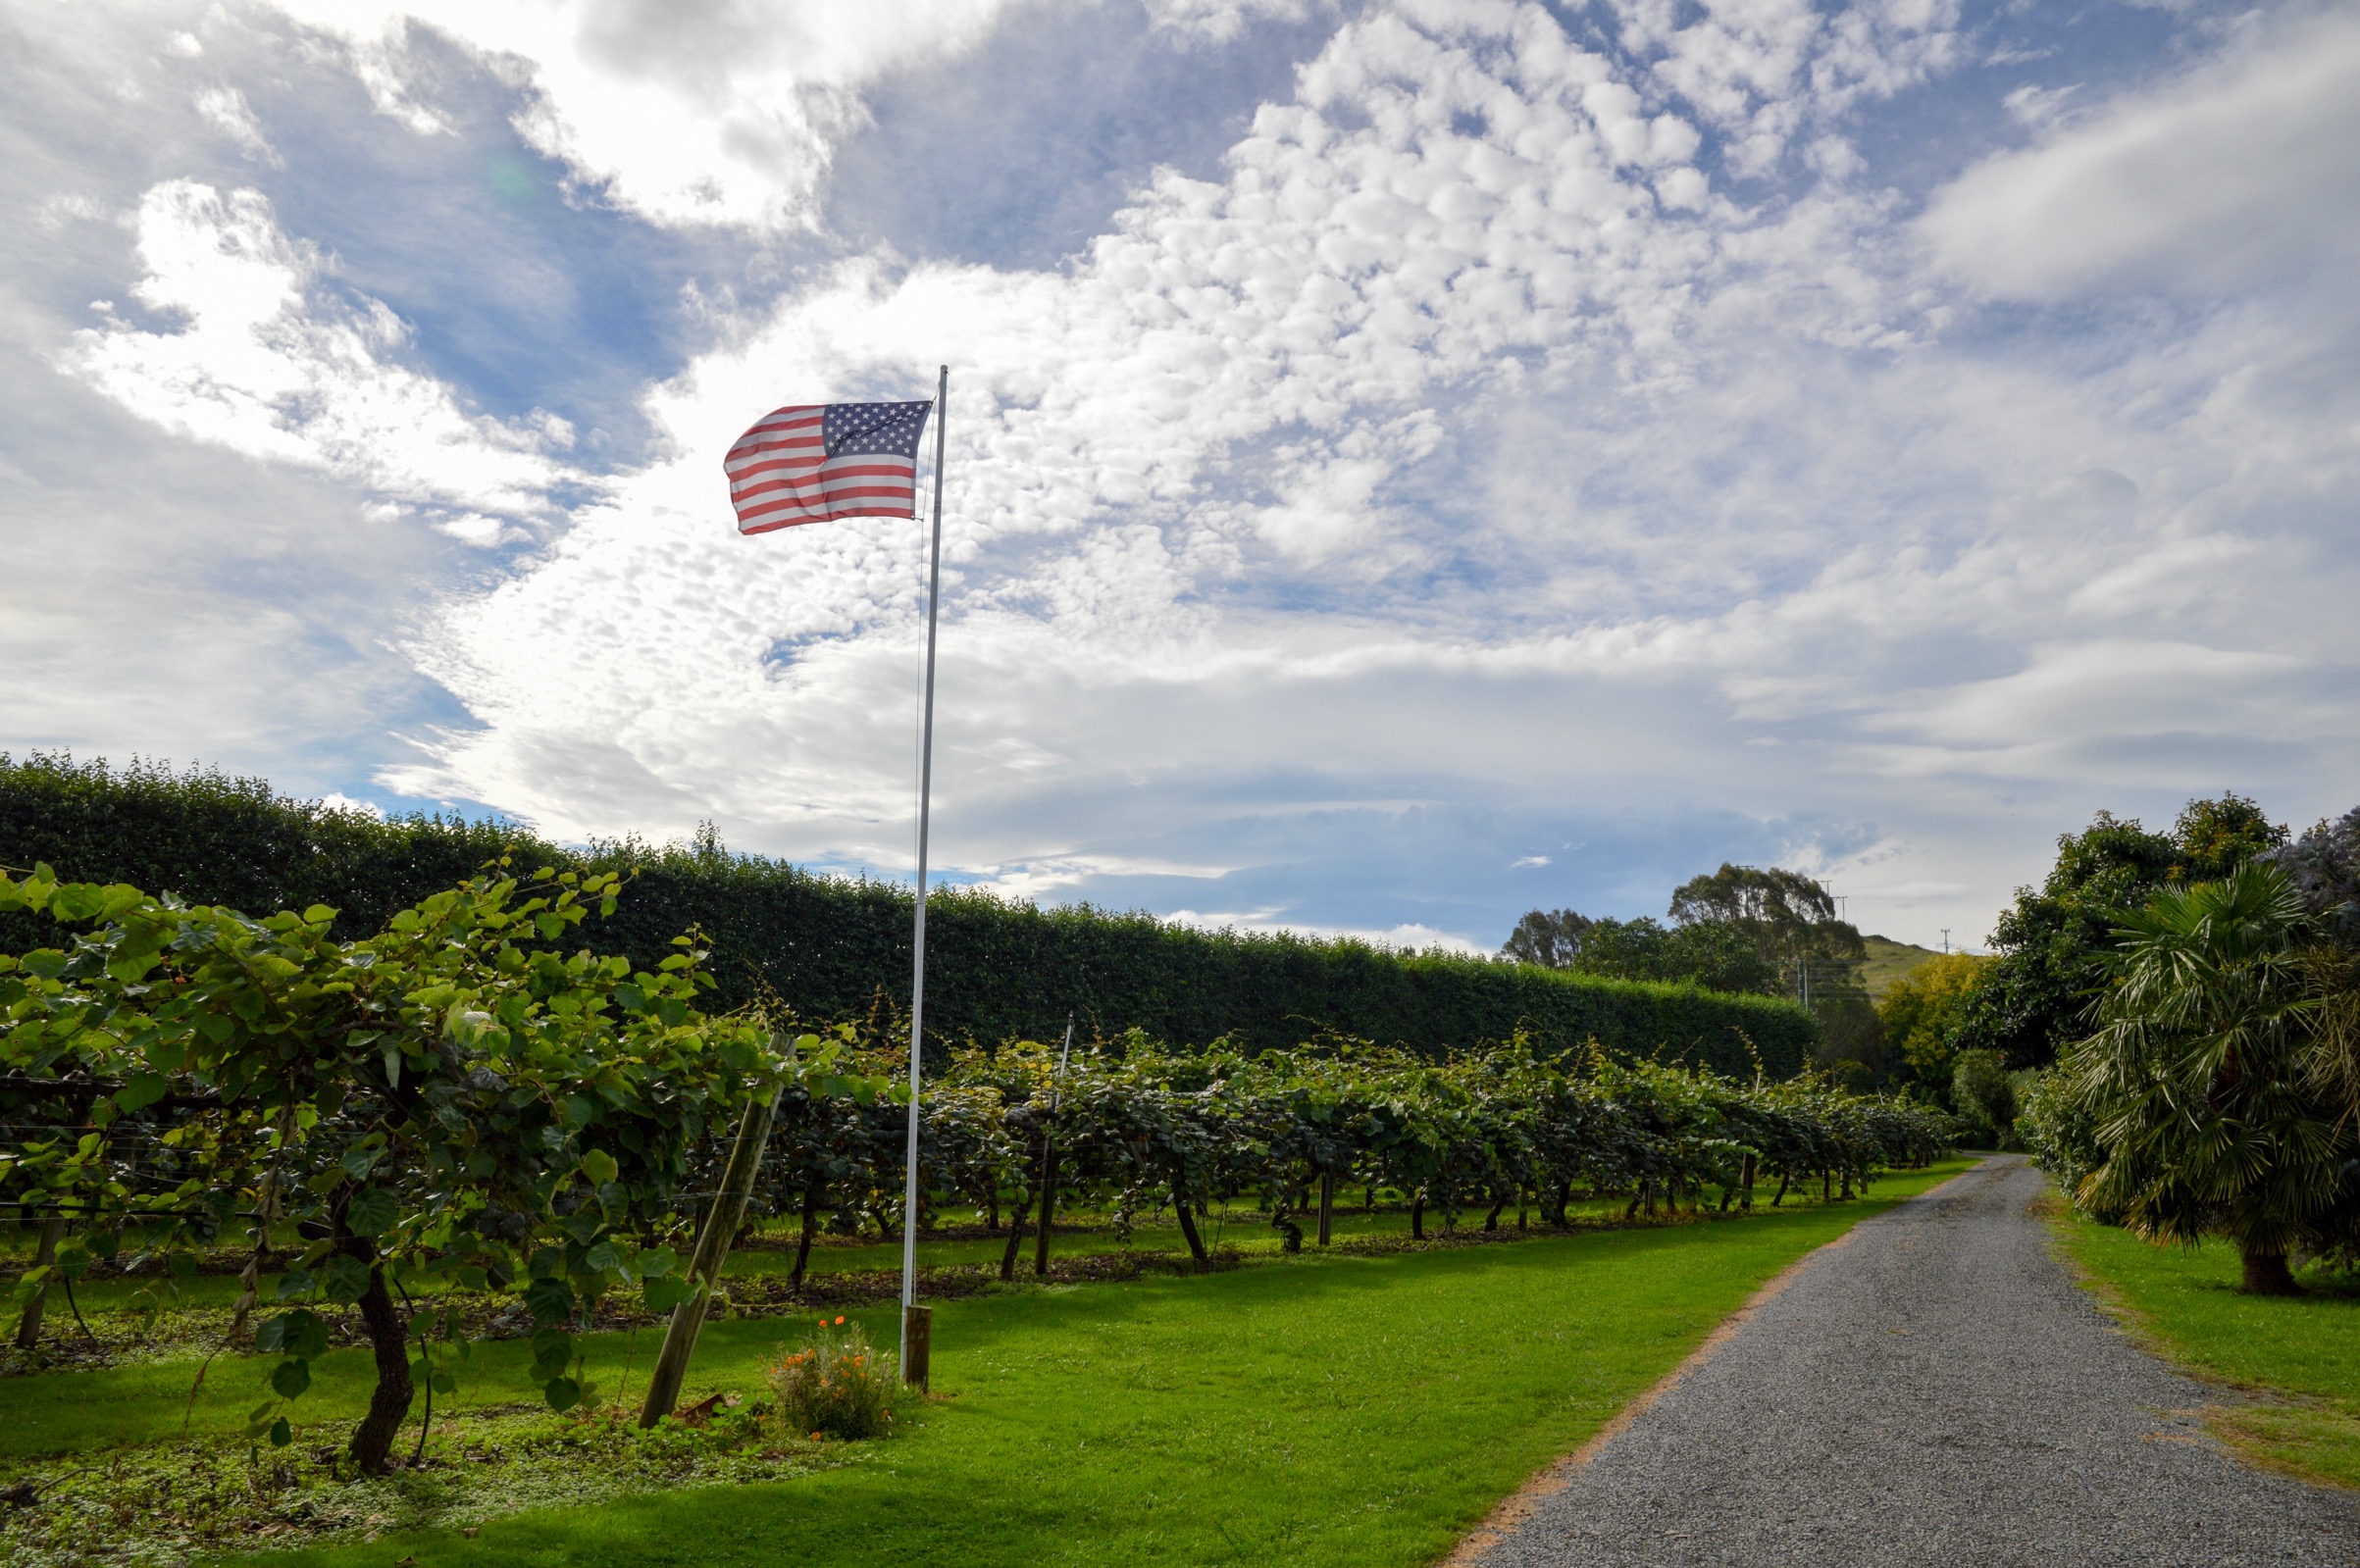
(2200, 1078)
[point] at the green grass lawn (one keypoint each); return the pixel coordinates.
(2300, 1354)
(1325, 1411)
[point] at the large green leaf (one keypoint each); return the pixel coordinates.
(552, 1350)
(344, 1279)
(371, 1212)
(290, 1378)
(299, 1332)
(583, 1225)
(549, 1300)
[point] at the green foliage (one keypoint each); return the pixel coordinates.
(2198, 1078)
(2324, 867)
(455, 1095)
(838, 1386)
(1715, 955)
(836, 950)
(1788, 917)
(2062, 1137)
(2052, 945)
(1922, 1011)
(1548, 937)
(1737, 930)
(1983, 1097)
(1138, 1128)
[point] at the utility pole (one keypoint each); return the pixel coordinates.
(1946, 940)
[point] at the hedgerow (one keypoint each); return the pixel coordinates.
(835, 948)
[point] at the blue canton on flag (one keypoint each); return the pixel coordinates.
(815, 462)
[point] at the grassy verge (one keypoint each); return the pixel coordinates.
(1338, 1410)
(2296, 1358)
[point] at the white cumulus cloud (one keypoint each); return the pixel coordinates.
(686, 114)
(251, 352)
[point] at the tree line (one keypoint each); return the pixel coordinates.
(1742, 930)
(1972, 1032)
(2170, 1022)
(2215, 1090)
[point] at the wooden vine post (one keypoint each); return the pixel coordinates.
(1328, 1206)
(1048, 1203)
(29, 1326)
(721, 1223)
(1048, 1155)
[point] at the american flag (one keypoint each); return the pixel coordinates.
(814, 461)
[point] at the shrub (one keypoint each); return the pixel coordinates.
(2062, 1137)
(1983, 1095)
(838, 1385)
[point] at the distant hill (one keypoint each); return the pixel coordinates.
(1890, 960)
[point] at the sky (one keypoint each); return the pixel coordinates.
(1409, 461)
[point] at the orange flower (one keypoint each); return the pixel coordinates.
(840, 1320)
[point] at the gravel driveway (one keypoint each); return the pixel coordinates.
(1932, 1389)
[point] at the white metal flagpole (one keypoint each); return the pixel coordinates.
(917, 974)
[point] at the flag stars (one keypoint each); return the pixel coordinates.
(884, 428)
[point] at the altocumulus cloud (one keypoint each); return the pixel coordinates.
(1545, 455)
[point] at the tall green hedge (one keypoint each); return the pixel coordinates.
(833, 948)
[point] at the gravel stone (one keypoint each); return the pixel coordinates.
(1933, 1391)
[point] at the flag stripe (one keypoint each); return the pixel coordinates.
(827, 477)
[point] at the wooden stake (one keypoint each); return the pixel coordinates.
(29, 1327)
(721, 1223)
(1049, 1207)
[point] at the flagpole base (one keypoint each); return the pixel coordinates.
(917, 1340)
